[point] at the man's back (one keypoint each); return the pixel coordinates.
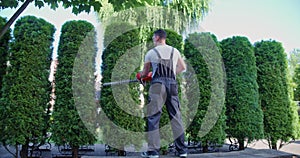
(165, 53)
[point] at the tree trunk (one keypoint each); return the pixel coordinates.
(205, 148)
(75, 152)
(121, 152)
(274, 145)
(241, 144)
(17, 151)
(14, 17)
(24, 151)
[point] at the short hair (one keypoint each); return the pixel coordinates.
(160, 33)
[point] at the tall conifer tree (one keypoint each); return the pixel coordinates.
(280, 122)
(68, 127)
(244, 113)
(201, 51)
(26, 89)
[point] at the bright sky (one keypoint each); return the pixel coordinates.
(256, 19)
(56, 17)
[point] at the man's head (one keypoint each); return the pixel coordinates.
(159, 37)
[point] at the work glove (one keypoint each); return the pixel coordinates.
(138, 76)
(144, 79)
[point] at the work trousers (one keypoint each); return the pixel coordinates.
(164, 91)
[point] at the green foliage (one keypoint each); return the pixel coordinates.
(176, 15)
(274, 95)
(4, 42)
(117, 5)
(123, 113)
(244, 114)
(201, 51)
(296, 80)
(68, 127)
(77, 6)
(26, 90)
(293, 60)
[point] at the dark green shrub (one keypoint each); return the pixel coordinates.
(202, 51)
(68, 127)
(122, 120)
(279, 112)
(26, 89)
(244, 113)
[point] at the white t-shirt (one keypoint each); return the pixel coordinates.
(165, 53)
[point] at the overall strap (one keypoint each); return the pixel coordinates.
(157, 53)
(171, 57)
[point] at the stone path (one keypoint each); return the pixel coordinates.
(254, 150)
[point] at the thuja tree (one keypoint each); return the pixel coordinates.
(122, 123)
(26, 89)
(279, 113)
(244, 113)
(202, 53)
(68, 128)
(4, 41)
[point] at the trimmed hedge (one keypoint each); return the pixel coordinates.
(26, 89)
(201, 51)
(279, 113)
(122, 112)
(68, 128)
(244, 113)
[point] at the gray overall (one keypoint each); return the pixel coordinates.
(164, 90)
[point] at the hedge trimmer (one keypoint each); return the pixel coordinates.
(138, 79)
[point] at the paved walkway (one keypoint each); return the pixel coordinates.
(257, 149)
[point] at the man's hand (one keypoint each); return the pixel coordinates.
(141, 78)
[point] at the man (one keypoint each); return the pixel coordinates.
(166, 62)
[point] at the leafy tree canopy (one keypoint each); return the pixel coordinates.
(77, 5)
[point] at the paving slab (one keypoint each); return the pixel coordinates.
(248, 153)
(255, 150)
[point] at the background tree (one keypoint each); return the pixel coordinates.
(243, 111)
(293, 61)
(280, 122)
(180, 16)
(4, 42)
(296, 95)
(296, 80)
(26, 90)
(201, 50)
(68, 128)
